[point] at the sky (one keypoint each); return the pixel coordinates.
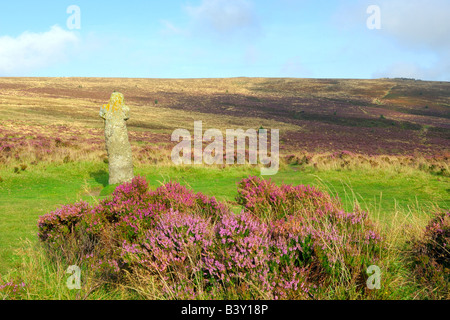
(226, 38)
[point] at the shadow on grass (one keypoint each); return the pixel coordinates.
(101, 177)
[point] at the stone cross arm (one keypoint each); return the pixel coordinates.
(115, 108)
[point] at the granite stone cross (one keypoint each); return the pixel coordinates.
(120, 160)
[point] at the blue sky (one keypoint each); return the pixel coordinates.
(226, 38)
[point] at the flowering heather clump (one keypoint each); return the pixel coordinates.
(210, 207)
(173, 195)
(179, 198)
(249, 259)
(262, 197)
(317, 250)
(63, 233)
(269, 201)
(134, 190)
(287, 242)
(431, 255)
(129, 210)
(239, 259)
(292, 242)
(303, 215)
(55, 226)
(12, 291)
(173, 249)
(301, 198)
(127, 216)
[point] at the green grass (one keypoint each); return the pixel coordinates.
(43, 188)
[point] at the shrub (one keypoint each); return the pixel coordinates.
(125, 216)
(293, 261)
(173, 251)
(179, 198)
(270, 202)
(261, 197)
(314, 226)
(59, 223)
(431, 256)
(239, 258)
(288, 242)
(60, 231)
(96, 235)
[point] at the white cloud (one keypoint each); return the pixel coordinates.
(31, 51)
(419, 26)
(418, 23)
(224, 17)
(415, 26)
(415, 23)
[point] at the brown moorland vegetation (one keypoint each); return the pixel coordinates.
(56, 119)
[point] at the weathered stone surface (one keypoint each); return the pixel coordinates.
(115, 113)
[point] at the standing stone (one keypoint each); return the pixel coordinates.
(116, 135)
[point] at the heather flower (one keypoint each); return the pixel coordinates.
(173, 250)
(286, 238)
(240, 253)
(269, 201)
(61, 222)
(431, 256)
(12, 291)
(136, 189)
(177, 238)
(179, 198)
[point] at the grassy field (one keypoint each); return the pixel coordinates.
(43, 188)
(395, 133)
